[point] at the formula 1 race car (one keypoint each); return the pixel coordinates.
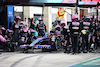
(50, 42)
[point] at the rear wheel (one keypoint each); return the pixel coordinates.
(12, 49)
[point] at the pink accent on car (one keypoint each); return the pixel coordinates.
(45, 45)
(35, 46)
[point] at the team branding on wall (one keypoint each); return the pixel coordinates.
(87, 3)
(69, 1)
(52, 1)
(10, 14)
(90, 3)
(43, 1)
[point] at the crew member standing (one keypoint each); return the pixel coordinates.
(41, 27)
(86, 28)
(75, 30)
(16, 28)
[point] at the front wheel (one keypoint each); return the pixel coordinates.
(58, 44)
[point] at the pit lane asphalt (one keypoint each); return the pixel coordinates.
(43, 59)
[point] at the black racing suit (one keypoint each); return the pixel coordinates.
(66, 34)
(75, 30)
(41, 28)
(87, 27)
(98, 37)
(16, 32)
(94, 36)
